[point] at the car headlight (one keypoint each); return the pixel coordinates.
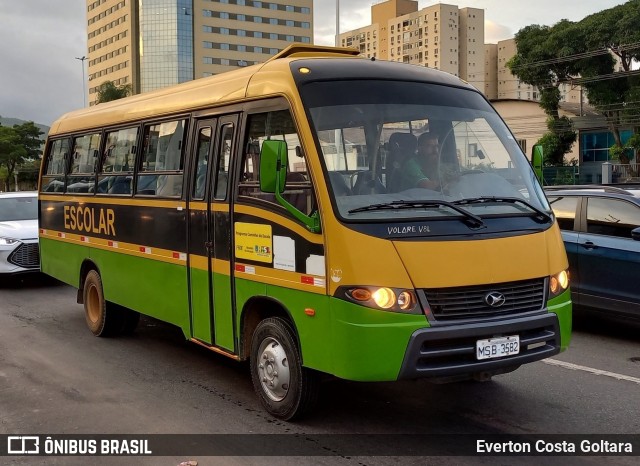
(7, 241)
(383, 298)
(558, 283)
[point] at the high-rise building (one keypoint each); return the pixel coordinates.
(491, 71)
(439, 36)
(151, 44)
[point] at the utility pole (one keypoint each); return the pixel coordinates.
(84, 94)
(337, 23)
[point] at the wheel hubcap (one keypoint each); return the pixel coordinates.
(273, 369)
(93, 303)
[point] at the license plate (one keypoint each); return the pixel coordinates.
(497, 347)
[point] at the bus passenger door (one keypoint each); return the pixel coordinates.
(209, 233)
(223, 329)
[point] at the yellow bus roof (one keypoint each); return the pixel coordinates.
(265, 79)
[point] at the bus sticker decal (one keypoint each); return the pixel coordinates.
(284, 253)
(254, 242)
(245, 269)
(315, 265)
(315, 281)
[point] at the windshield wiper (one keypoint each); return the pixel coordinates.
(540, 215)
(470, 219)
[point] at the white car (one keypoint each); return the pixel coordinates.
(19, 251)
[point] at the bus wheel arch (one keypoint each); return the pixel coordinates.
(286, 389)
(102, 318)
(254, 311)
(85, 268)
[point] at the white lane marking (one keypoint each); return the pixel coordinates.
(576, 367)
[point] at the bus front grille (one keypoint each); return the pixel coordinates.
(26, 255)
(469, 302)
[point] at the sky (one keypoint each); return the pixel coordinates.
(41, 79)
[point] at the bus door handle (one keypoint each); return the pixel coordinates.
(589, 245)
(208, 245)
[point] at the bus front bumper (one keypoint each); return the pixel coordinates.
(449, 352)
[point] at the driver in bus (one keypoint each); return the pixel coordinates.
(421, 170)
(426, 169)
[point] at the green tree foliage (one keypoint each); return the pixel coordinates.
(536, 63)
(584, 52)
(29, 135)
(611, 33)
(11, 152)
(18, 145)
(108, 91)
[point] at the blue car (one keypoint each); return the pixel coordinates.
(601, 232)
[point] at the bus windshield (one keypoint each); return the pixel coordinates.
(389, 146)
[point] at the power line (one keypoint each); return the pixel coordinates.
(581, 56)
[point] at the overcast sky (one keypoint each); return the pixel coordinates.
(40, 79)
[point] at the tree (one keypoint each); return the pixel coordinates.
(108, 91)
(12, 152)
(18, 145)
(615, 94)
(538, 62)
(29, 135)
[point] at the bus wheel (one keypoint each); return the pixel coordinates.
(286, 389)
(102, 320)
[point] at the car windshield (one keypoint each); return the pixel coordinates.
(18, 208)
(386, 144)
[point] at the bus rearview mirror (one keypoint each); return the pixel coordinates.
(273, 166)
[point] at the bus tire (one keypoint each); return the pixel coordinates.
(102, 320)
(285, 388)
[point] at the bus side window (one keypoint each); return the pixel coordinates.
(161, 164)
(275, 125)
(222, 169)
(115, 174)
(53, 180)
(82, 170)
(202, 162)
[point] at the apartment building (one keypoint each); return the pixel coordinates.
(439, 36)
(151, 44)
(491, 71)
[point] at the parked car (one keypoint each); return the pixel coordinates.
(601, 232)
(19, 233)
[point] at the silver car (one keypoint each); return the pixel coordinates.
(19, 233)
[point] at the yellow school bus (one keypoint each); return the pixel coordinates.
(266, 213)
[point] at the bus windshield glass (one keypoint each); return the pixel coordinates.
(390, 146)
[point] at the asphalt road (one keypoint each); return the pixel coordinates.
(57, 378)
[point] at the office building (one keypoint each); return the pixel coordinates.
(151, 44)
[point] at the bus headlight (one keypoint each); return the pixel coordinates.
(387, 299)
(558, 283)
(384, 298)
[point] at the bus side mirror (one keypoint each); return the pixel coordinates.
(273, 166)
(273, 175)
(537, 162)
